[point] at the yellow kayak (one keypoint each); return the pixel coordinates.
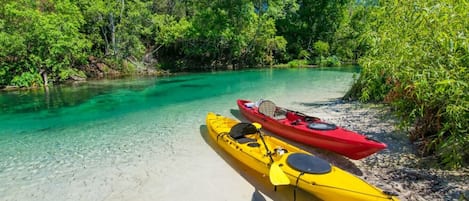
(289, 165)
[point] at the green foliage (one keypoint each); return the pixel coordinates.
(238, 33)
(117, 27)
(321, 48)
(347, 43)
(304, 54)
(129, 68)
(168, 30)
(297, 63)
(328, 61)
(54, 37)
(418, 61)
(43, 37)
(323, 59)
(314, 20)
(27, 79)
(274, 46)
(66, 73)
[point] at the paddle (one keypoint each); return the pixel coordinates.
(276, 174)
(258, 127)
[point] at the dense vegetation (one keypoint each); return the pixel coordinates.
(50, 41)
(418, 61)
(414, 54)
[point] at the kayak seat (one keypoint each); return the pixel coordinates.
(241, 129)
(267, 108)
(322, 126)
(308, 164)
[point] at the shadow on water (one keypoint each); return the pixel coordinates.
(170, 81)
(336, 159)
(346, 68)
(195, 85)
(261, 183)
(238, 115)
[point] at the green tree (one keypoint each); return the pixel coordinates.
(238, 33)
(321, 48)
(48, 41)
(117, 28)
(347, 43)
(313, 21)
(129, 34)
(168, 35)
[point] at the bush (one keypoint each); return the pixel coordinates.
(27, 79)
(68, 73)
(321, 48)
(329, 61)
(418, 62)
(297, 63)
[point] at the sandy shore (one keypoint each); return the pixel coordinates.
(398, 168)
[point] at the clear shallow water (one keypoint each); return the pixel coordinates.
(96, 140)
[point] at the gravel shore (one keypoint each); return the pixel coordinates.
(398, 168)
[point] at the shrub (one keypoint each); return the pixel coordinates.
(330, 61)
(27, 79)
(297, 63)
(418, 61)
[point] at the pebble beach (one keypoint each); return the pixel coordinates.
(398, 168)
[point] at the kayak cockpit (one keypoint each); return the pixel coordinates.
(240, 130)
(307, 163)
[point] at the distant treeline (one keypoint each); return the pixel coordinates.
(414, 54)
(49, 41)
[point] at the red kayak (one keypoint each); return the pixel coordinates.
(309, 130)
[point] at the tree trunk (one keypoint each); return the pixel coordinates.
(44, 77)
(112, 27)
(104, 32)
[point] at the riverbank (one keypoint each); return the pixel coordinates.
(398, 168)
(100, 71)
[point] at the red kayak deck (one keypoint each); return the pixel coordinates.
(309, 130)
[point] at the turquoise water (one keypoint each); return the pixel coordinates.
(88, 141)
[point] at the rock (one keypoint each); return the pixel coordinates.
(10, 88)
(77, 78)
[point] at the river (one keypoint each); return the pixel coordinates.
(140, 138)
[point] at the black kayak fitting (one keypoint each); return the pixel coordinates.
(308, 164)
